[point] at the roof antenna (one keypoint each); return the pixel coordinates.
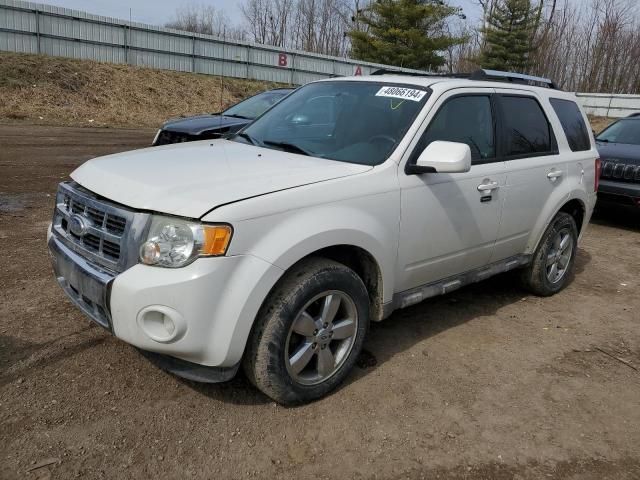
(224, 37)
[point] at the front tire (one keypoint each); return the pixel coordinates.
(553, 261)
(308, 333)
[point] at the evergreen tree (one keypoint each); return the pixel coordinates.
(404, 33)
(508, 35)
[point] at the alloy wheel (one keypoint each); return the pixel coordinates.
(321, 337)
(559, 255)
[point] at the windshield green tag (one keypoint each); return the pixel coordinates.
(400, 92)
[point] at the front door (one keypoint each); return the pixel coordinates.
(449, 222)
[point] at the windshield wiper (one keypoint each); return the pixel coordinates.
(290, 147)
(247, 137)
(603, 140)
(237, 116)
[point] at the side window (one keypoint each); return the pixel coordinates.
(464, 119)
(527, 130)
(572, 124)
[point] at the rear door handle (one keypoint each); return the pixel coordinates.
(488, 186)
(553, 174)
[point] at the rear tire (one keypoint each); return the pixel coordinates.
(552, 265)
(308, 333)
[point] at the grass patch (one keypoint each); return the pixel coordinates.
(60, 91)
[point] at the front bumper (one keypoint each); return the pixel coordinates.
(86, 285)
(619, 192)
(211, 304)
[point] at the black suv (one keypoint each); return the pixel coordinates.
(215, 125)
(619, 147)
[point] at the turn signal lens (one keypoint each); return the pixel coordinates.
(216, 239)
(596, 183)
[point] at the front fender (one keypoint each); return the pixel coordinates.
(370, 223)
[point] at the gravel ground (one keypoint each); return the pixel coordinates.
(487, 382)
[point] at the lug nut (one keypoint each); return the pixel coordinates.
(315, 332)
(314, 345)
(323, 347)
(325, 325)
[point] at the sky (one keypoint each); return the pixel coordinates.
(158, 12)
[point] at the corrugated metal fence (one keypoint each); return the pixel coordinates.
(34, 28)
(607, 105)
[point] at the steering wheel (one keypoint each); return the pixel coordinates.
(384, 137)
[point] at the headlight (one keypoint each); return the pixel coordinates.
(173, 242)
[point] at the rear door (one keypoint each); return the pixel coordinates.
(533, 165)
(449, 222)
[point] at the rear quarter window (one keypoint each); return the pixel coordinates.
(572, 123)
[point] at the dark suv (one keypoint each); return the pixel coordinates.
(216, 125)
(619, 147)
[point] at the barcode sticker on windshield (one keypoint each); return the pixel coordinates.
(400, 92)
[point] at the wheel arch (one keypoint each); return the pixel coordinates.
(574, 205)
(358, 259)
(577, 209)
(364, 264)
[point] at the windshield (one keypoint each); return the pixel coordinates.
(622, 131)
(356, 122)
(255, 106)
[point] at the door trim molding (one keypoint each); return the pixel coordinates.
(440, 287)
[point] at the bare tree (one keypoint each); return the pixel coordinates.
(204, 19)
(312, 25)
(592, 47)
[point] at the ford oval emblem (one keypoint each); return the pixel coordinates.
(78, 225)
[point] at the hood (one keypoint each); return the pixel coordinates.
(619, 151)
(190, 179)
(205, 123)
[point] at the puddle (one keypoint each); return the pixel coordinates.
(12, 203)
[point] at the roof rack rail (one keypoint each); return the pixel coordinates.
(482, 74)
(387, 71)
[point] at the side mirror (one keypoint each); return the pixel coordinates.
(443, 157)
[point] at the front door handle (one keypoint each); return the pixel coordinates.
(487, 186)
(554, 174)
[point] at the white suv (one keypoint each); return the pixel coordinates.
(351, 198)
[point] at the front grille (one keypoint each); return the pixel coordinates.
(115, 224)
(620, 170)
(105, 233)
(96, 217)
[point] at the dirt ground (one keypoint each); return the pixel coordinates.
(484, 383)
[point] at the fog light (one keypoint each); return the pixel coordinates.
(161, 324)
(168, 325)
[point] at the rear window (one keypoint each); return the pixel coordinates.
(572, 123)
(527, 130)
